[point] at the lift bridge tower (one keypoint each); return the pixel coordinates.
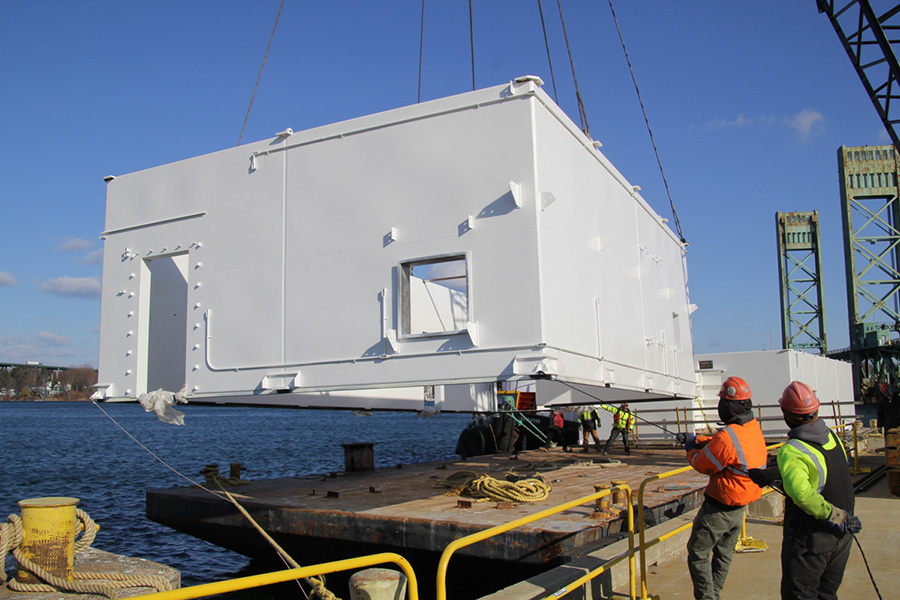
(799, 270)
(870, 206)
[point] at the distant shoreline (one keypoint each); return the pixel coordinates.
(61, 398)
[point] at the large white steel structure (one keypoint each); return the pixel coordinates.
(460, 242)
(767, 372)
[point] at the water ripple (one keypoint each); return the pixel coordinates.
(73, 449)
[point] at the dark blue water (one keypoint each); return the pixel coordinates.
(73, 449)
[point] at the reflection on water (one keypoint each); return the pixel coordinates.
(74, 449)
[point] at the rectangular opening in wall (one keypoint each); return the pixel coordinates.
(167, 323)
(434, 295)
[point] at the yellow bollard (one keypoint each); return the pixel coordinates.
(619, 497)
(48, 536)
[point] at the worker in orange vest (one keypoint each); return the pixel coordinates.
(726, 458)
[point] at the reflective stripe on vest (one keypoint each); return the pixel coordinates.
(742, 467)
(742, 460)
(815, 460)
(712, 459)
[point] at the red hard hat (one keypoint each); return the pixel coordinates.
(799, 399)
(734, 388)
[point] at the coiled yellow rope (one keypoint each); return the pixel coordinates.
(534, 489)
(104, 584)
(485, 487)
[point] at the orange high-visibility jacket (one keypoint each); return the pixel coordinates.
(726, 458)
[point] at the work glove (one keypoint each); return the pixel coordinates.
(839, 519)
(691, 442)
(681, 438)
(764, 477)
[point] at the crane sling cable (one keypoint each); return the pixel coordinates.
(647, 121)
(525, 423)
(82, 582)
(547, 45)
(258, 77)
(221, 496)
(542, 375)
(472, 43)
(581, 112)
(421, 46)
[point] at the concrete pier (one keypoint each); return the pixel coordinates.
(93, 560)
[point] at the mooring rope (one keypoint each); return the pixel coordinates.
(533, 489)
(317, 583)
(485, 487)
(104, 584)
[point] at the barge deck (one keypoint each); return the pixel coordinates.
(406, 509)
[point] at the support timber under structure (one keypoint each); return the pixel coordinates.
(870, 205)
(800, 281)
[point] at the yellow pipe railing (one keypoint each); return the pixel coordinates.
(253, 581)
(642, 526)
(487, 533)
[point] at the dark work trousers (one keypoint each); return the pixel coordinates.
(612, 437)
(555, 436)
(716, 531)
(812, 565)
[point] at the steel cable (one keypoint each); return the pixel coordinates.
(258, 77)
(649, 130)
(581, 112)
(547, 44)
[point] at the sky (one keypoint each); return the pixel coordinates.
(748, 103)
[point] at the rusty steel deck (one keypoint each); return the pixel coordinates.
(406, 510)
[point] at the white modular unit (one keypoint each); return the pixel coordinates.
(468, 240)
(768, 373)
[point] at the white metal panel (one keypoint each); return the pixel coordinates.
(621, 267)
(297, 251)
(768, 372)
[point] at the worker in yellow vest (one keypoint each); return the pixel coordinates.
(623, 423)
(590, 422)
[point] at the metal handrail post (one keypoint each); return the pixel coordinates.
(856, 470)
(642, 524)
(452, 547)
(609, 564)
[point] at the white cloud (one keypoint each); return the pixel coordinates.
(52, 338)
(6, 279)
(720, 124)
(74, 287)
(92, 258)
(806, 123)
(14, 350)
(71, 244)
